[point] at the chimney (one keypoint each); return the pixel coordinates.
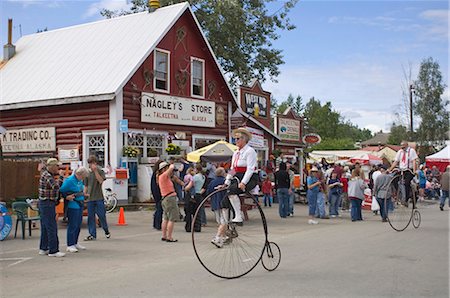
(9, 49)
(153, 5)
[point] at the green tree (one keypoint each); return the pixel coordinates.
(241, 34)
(335, 144)
(296, 104)
(398, 134)
(429, 104)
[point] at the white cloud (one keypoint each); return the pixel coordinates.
(363, 93)
(95, 8)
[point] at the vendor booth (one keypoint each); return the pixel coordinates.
(440, 159)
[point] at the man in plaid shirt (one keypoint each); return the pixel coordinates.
(48, 196)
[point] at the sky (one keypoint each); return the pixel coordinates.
(351, 53)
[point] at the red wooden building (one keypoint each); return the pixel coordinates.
(154, 69)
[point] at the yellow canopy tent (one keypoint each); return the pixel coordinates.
(220, 151)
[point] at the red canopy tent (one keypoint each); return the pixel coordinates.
(440, 159)
(366, 159)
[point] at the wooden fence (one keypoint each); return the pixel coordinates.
(17, 179)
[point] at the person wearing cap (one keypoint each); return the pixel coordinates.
(169, 200)
(49, 187)
(243, 167)
(382, 192)
(156, 193)
(313, 185)
(73, 190)
(95, 200)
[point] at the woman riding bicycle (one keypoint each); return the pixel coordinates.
(243, 167)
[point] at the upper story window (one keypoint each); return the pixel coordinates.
(161, 80)
(198, 77)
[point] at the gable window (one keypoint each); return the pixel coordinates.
(161, 81)
(198, 77)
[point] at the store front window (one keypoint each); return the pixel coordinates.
(148, 145)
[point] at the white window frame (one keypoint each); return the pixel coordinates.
(168, 71)
(147, 134)
(192, 77)
(85, 135)
(196, 137)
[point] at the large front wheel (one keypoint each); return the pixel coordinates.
(240, 248)
(400, 210)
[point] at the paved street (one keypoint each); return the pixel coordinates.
(335, 258)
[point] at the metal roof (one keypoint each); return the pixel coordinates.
(87, 62)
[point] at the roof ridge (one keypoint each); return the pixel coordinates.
(98, 21)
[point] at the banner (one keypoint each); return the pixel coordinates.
(166, 109)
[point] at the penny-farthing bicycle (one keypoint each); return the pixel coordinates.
(244, 246)
(401, 211)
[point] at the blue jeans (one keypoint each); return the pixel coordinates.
(356, 209)
(335, 201)
(267, 200)
(283, 201)
(73, 229)
(291, 202)
(320, 208)
(383, 207)
(49, 229)
(312, 202)
(96, 207)
(443, 197)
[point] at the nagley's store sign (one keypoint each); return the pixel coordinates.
(165, 109)
(29, 140)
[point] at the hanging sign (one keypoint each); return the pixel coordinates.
(68, 155)
(311, 138)
(34, 139)
(173, 110)
(289, 129)
(257, 140)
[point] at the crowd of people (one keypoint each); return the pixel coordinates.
(342, 187)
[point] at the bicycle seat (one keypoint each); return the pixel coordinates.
(108, 189)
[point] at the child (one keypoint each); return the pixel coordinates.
(267, 191)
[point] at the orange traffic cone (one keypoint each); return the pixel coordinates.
(121, 221)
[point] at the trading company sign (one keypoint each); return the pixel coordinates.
(311, 139)
(165, 109)
(29, 140)
(289, 129)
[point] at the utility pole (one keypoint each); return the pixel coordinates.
(411, 90)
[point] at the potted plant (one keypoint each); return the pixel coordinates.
(173, 149)
(152, 152)
(130, 151)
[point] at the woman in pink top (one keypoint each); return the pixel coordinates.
(169, 201)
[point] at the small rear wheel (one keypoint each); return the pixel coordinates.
(416, 220)
(110, 202)
(271, 257)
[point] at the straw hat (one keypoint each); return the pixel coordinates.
(163, 165)
(53, 162)
(244, 131)
(314, 169)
